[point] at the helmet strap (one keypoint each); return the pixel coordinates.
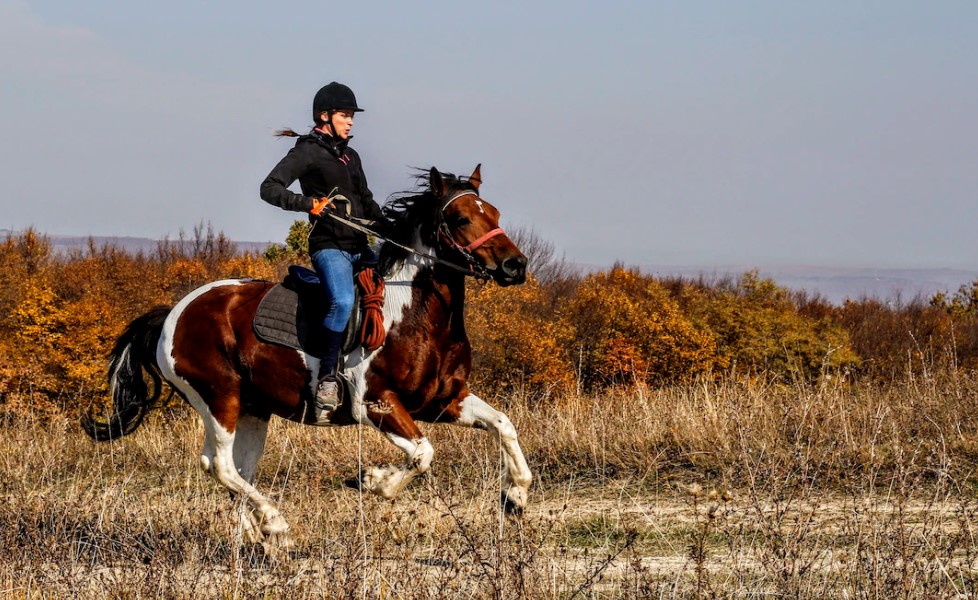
(332, 128)
(325, 126)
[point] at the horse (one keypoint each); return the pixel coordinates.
(205, 347)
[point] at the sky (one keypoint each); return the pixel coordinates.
(764, 132)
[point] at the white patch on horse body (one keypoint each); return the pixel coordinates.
(312, 366)
(479, 203)
(398, 291)
(164, 349)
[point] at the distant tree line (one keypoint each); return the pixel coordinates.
(562, 332)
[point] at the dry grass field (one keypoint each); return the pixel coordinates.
(736, 489)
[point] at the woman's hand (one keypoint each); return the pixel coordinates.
(319, 205)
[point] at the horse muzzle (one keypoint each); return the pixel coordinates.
(512, 271)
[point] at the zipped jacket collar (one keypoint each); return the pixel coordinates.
(335, 147)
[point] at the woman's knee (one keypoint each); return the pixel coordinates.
(343, 303)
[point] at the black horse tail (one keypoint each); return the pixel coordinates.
(133, 355)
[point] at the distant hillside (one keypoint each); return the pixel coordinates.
(65, 243)
(838, 283)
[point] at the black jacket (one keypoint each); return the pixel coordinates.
(321, 163)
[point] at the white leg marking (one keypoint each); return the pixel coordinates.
(477, 413)
(227, 474)
(249, 444)
(388, 481)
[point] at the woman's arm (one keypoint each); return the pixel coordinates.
(275, 188)
(371, 210)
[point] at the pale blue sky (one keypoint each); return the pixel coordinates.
(688, 133)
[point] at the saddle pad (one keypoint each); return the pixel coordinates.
(282, 319)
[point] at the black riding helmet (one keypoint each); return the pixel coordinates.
(334, 96)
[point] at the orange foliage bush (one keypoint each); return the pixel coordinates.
(916, 337)
(629, 329)
(60, 315)
(758, 326)
(514, 345)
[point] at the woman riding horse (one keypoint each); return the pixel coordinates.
(327, 170)
(206, 348)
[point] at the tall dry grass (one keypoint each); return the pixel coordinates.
(721, 489)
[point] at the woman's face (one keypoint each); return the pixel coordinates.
(342, 123)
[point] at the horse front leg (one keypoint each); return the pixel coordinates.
(473, 411)
(390, 418)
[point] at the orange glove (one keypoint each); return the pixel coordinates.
(319, 205)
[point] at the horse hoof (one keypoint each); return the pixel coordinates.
(511, 507)
(281, 542)
(384, 481)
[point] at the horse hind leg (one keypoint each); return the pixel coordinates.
(266, 516)
(219, 459)
(475, 412)
(249, 444)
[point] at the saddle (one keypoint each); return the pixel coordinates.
(291, 313)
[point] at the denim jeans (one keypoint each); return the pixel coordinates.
(335, 270)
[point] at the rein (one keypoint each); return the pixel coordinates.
(474, 268)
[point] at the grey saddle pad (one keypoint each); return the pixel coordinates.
(294, 320)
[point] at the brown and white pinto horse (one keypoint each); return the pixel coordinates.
(206, 348)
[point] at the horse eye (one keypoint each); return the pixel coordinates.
(460, 221)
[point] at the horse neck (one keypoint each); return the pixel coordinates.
(440, 288)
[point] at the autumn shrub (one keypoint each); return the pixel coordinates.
(62, 313)
(517, 344)
(759, 326)
(962, 307)
(897, 338)
(628, 328)
(30, 325)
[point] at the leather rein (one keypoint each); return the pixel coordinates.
(474, 269)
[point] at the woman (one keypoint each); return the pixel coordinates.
(326, 167)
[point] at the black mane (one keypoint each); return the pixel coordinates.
(415, 210)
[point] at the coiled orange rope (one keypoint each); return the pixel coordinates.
(372, 334)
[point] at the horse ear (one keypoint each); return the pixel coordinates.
(436, 183)
(476, 177)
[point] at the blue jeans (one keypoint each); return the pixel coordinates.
(335, 270)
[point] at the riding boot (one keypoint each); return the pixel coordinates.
(327, 388)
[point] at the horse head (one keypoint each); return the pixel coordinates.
(469, 226)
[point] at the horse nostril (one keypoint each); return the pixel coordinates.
(515, 267)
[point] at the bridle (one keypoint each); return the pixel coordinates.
(445, 235)
(475, 268)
